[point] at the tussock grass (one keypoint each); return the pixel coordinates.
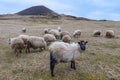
(101, 60)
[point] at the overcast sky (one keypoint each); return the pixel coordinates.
(93, 9)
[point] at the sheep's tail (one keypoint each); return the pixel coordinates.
(53, 59)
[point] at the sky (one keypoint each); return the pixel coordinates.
(93, 9)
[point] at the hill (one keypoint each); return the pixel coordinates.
(37, 10)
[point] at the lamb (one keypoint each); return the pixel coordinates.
(110, 34)
(64, 33)
(17, 44)
(24, 30)
(65, 52)
(96, 33)
(66, 38)
(49, 38)
(35, 42)
(77, 33)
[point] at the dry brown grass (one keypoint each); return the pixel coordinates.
(101, 61)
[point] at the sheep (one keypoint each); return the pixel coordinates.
(66, 38)
(65, 52)
(49, 38)
(24, 37)
(77, 33)
(35, 42)
(55, 32)
(110, 34)
(24, 30)
(64, 33)
(46, 30)
(17, 44)
(96, 33)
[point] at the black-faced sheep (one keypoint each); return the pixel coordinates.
(17, 44)
(49, 38)
(66, 38)
(65, 52)
(97, 33)
(77, 33)
(110, 34)
(35, 43)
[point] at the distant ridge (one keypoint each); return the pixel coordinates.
(37, 10)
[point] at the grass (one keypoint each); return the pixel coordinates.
(101, 60)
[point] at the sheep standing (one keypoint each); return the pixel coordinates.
(65, 52)
(35, 42)
(110, 34)
(24, 38)
(97, 33)
(55, 32)
(77, 33)
(17, 44)
(49, 38)
(46, 30)
(64, 33)
(66, 38)
(24, 30)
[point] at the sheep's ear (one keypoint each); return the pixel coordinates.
(86, 42)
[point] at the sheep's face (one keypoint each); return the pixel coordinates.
(83, 45)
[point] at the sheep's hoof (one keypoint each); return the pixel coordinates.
(53, 75)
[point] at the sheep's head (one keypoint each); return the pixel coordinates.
(82, 45)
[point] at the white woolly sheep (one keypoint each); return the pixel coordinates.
(55, 32)
(64, 33)
(17, 44)
(77, 33)
(96, 33)
(110, 34)
(49, 38)
(65, 52)
(35, 43)
(23, 30)
(46, 30)
(24, 37)
(66, 38)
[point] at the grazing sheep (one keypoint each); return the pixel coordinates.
(65, 52)
(24, 37)
(55, 32)
(77, 33)
(64, 33)
(97, 33)
(17, 44)
(110, 34)
(49, 38)
(35, 42)
(66, 38)
(24, 30)
(46, 30)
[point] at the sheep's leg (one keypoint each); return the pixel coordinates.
(73, 65)
(52, 65)
(53, 61)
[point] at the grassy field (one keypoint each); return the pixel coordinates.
(101, 60)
